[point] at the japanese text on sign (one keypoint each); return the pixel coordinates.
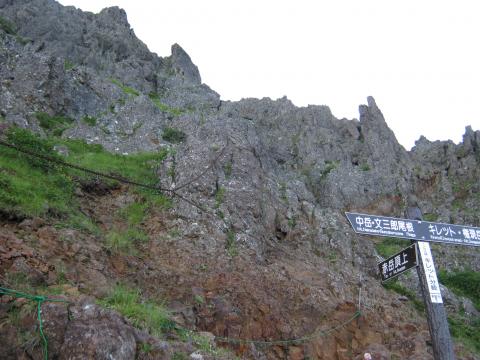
(398, 263)
(414, 229)
(430, 273)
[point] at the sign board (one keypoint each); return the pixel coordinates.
(414, 229)
(431, 275)
(398, 263)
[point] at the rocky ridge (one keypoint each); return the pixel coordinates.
(273, 257)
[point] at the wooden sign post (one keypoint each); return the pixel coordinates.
(436, 315)
(421, 233)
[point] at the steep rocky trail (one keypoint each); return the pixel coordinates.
(254, 246)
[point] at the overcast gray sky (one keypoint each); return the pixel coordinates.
(419, 59)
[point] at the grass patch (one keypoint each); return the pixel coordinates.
(134, 213)
(79, 221)
(390, 246)
(34, 187)
(7, 26)
(53, 125)
(164, 107)
(399, 289)
(179, 356)
(68, 65)
(227, 169)
(204, 345)
(219, 197)
(147, 315)
(173, 135)
(123, 241)
(329, 167)
(138, 167)
(127, 90)
(365, 167)
(21, 192)
(430, 217)
(292, 222)
(466, 332)
(463, 283)
(231, 245)
(90, 120)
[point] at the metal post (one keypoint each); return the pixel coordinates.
(436, 315)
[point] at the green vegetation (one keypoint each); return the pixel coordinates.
(90, 120)
(126, 89)
(219, 197)
(458, 204)
(220, 214)
(365, 167)
(464, 283)
(7, 26)
(332, 257)
(22, 282)
(179, 356)
(465, 331)
(164, 107)
(231, 244)
(227, 169)
(68, 65)
(172, 170)
(174, 233)
(292, 222)
(123, 240)
(146, 348)
(138, 167)
(329, 167)
(430, 217)
(22, 194)
(134, 213)
(147, 315)
(389, 246)
(53, 125)
(77, 220)
(199, 299)
(399, 289)
(173, 135)
(206, 346)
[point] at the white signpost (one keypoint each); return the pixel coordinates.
(429, 268)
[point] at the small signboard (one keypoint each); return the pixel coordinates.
(398, 263)
(414, 229)
(430, 273)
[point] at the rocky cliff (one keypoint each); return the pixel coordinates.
(255, 244)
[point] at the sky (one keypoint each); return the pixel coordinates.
(420, 60)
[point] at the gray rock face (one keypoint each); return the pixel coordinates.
(183, 65)
(93, 332)
(92, 62)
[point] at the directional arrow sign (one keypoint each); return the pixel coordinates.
(414, 229)
(398, 263)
